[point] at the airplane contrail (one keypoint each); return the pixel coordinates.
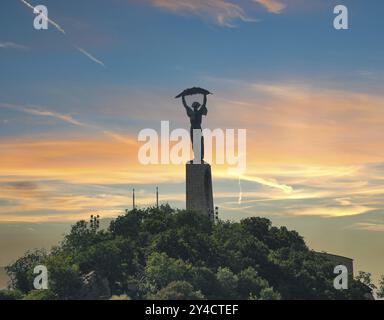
(38, 111)
(240, 192)
(55, 24)
(12, 45)
(90, 56)
(269, 182)
(58, 27)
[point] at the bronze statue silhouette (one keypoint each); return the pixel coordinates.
(196, 114)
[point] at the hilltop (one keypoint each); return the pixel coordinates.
(175, 254)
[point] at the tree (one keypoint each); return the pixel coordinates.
(205, 279)
(161, 270)
(228, 283)
(113, 259)
(167, 253)
(250, 283)
(366, 279)
(128, 225)
(257, 227)
(380, 291)
(10, 295)
(64, 277)
(79, 237)
(21, 271)
(40, 295)
(266, 294)
(178, 290)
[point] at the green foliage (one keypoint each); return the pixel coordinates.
(366, 279)
(250, 283)
(112, 259)
(40, 295)
(228, 283)
(160, 270)
(164, 253)
(178, 290)
(21, 272)
(266, 294)
(205, 279)
(380, 291)
(63, 276)
(121, 297)
(10, 295)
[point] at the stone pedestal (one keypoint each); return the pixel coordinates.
(199, 189)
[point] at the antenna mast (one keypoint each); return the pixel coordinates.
(157, 197)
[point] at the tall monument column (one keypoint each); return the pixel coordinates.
(199, 192)
(198, 173)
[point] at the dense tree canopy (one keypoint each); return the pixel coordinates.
(175, 254)
(380, 292)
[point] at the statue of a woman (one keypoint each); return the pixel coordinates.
(195, 115)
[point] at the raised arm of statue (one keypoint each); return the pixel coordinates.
(184, 102)
(203, 109)
(187, 108)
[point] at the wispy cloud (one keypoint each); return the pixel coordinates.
(311, 152)
(273, 6)
(221, 11)
(270, 183)
(304, 123)
(331, 212)
(90, 56)
(120, 137)
(267, 182)
(99, 161)
(38, 111)
(68, 201)
(12, 45)
(375, 227)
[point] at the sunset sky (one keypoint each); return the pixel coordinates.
(310, 97)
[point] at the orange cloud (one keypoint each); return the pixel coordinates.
(332, 212)
(222, 11)
(375, 227)
(305, 143)
(94, 160)
(272, 5)
(302, 124)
